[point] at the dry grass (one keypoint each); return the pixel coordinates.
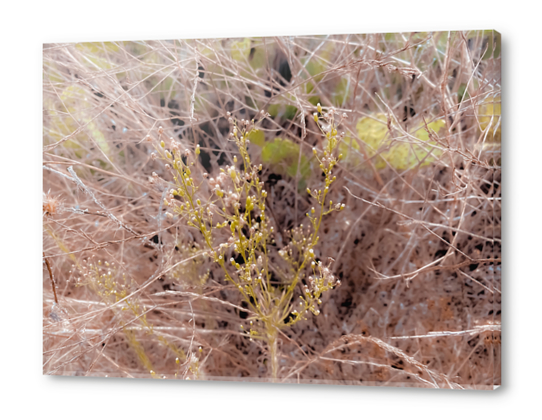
(417, 248)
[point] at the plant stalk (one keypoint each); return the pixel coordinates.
(273, 352)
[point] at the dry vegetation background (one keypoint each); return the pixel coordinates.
(417, 248)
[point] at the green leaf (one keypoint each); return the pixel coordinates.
(281, 110)
(400, 155)
(489, 112)
(372, 131)
(98, 137)
(273, 110)
(283, 156)
(240, 50)
(96, 53)
(408, 156)
(97, 47)
(290, 112)
(257, 137)
(258, 58)
(435, 126)
(314, 100)
(493, 44)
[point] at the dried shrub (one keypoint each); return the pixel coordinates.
(131, 288)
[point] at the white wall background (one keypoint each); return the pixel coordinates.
(24, 26)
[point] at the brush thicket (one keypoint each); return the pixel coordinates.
(133, 289)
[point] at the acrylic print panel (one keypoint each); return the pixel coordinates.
(309, 209)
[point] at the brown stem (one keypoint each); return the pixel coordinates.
(52, 278)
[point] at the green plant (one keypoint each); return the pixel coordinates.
(373, 131)
(110, 284)
(237, 204)
(417, 247)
